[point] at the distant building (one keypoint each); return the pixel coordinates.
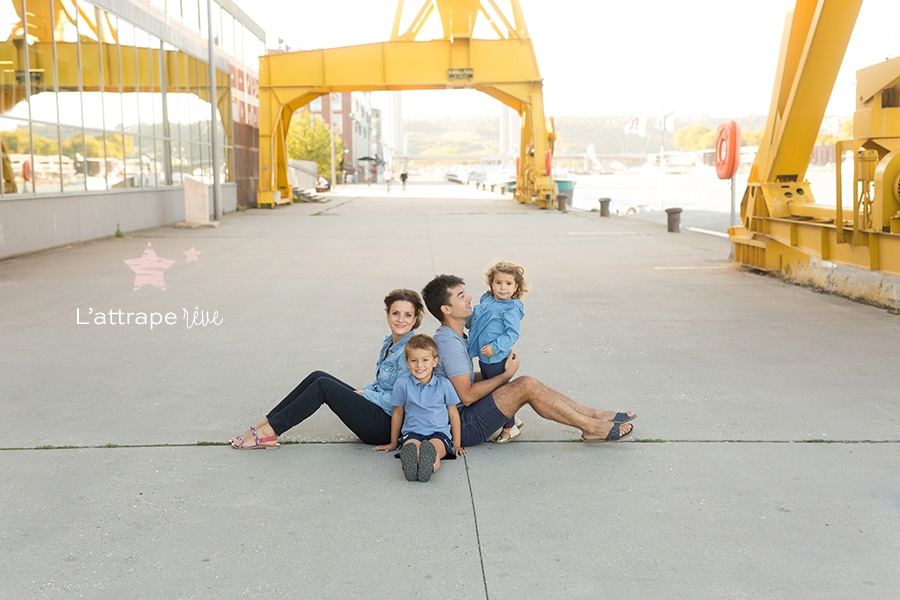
(111, 108)
(351, 118)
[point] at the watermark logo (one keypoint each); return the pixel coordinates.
(149, 269)
(193, 255)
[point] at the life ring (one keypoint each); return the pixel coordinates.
(728, 149)
(548, 162)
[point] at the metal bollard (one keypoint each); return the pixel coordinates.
(674, 219)
(604, 206)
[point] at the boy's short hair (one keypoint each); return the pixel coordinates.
(436, 293)
(420, 341)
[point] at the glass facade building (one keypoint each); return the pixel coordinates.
(116, 98)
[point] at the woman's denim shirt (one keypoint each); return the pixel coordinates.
(387, 370)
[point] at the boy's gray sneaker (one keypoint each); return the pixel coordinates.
(409, 459)
(427, 456)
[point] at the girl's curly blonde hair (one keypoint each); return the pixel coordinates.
(510, 268)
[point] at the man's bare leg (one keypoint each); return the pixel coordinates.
(597, 413)
(555, 406)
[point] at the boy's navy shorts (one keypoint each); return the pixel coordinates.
(437, 435)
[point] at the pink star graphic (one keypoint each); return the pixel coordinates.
(193, 255)
(149, 269)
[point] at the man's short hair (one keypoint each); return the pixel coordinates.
(436, 293)
(420, 341)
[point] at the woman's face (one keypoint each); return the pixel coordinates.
(401, 317)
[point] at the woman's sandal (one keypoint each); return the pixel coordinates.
(507, 434)
(497, 433)
(269, 442)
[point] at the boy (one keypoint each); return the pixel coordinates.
(425, 413)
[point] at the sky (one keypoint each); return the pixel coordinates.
(632, 58)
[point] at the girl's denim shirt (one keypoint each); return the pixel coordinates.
(391, 365)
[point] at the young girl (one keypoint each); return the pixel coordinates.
(494, 327)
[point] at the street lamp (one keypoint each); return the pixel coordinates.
(331, 127)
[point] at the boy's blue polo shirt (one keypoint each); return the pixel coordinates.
(425, 406)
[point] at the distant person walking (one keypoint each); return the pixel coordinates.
(388, 179)
(403, 177)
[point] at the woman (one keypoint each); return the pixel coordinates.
(366, 412)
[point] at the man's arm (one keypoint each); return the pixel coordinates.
(473, 392)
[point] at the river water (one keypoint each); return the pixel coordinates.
(698, 189)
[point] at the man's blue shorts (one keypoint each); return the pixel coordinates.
(479, 420)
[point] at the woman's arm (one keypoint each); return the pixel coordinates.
(396, 424)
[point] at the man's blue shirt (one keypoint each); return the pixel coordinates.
(453, 353)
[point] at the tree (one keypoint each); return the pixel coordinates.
(309, 138)
(846, 133)
(695, 137)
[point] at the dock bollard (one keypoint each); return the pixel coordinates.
(674, 219)
(604, 206)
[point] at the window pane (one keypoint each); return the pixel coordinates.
(71, 141)
(95, 160)
(17, 175)
(92, 108)
(227, 36)
(48, 170)
(190, 15)
(151, 166)
(115, 159)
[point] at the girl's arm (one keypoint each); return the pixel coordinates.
(511, 326)
(456, 430)
(396, 424)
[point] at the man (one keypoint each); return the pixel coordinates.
(489, 403)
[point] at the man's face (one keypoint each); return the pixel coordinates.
(460, 303)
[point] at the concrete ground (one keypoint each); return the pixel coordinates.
(764, 464)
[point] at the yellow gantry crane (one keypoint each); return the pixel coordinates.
(504, 67)
(781, 223)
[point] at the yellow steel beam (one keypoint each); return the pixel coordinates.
(504, 68)
(780, 221)
(809, 63)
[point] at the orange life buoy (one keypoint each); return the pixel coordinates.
(728, 149)
(548, 161)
